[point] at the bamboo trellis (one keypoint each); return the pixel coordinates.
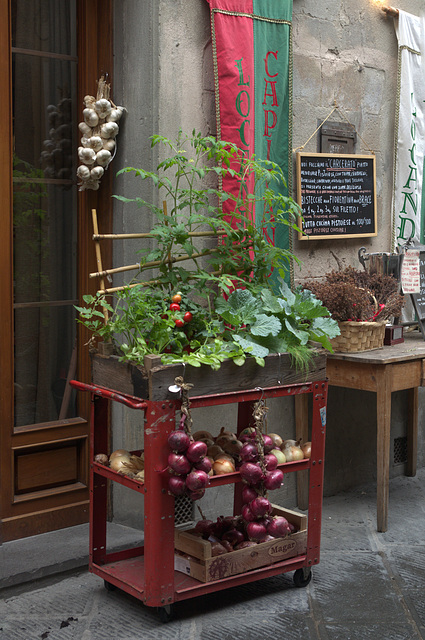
(101, 273)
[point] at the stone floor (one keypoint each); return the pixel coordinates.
(367, 585)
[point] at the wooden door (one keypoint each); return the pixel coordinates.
(51, 54)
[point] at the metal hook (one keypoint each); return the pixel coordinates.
(262, 392)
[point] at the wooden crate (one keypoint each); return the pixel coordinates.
(151, 381)
(193, 554)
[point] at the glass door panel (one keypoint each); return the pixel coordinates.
(44, 68)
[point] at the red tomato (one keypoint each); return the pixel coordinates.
(174, 306)
(179, 323)
(187, 316)
(177, 298)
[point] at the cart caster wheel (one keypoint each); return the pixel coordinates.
(302, 577)
(166, 614)
(109, 586)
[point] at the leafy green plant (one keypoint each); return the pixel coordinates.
(234, 311)
(195, 209)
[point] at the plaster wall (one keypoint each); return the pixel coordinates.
(345, 53)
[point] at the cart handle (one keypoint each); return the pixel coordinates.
(129, 401)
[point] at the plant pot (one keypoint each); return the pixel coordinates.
(152, 381)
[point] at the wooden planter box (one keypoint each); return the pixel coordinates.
(193, 554)
(151, 381)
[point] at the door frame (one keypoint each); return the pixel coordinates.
(63, 506)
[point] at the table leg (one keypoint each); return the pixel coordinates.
(301, 430)
(412, 431)
(383, 409)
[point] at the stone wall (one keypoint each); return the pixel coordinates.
(345, 53)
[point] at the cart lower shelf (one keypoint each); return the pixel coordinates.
(128, 575)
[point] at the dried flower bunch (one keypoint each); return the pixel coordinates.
(356, 295)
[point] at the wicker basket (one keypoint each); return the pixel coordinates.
(359, 336)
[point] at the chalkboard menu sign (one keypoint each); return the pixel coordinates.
(337, 195)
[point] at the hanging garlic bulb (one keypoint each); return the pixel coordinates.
(103, 108)
(84, 128)
(109, 145)
(95, 142)
(103, 157)
(115, 114)
(86, 155)
(90, 117)
(109, 130)
(97, 172)
(83, 172)
(89, 101)
(98, 130)
(90, 184)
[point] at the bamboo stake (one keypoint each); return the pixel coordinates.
(142, 284)
(99, 260)
(131, 236)
(153, 263)
(164, 208)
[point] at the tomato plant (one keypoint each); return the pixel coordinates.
(228, 253)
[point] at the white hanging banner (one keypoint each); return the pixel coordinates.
(409, 148)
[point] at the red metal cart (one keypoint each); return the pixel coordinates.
(147, 572)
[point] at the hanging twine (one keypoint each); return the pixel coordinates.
(259, 415)
(335, 108)
(186, 418)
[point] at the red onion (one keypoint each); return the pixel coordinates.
(229, 522)
(256, 530)
(233, 536)
(179, 463)
(249, 452)
(270, 461)
(278, 527)
(260, 507)
(196, 480)
(176, 485)
(251, 473)
(268, 443)
(196, 495)
(273, 479)
(204, 527)
(248, 494)
(204, 465)
(247, 514)
(179, 441)
(247, 437)
(196, 451)
(245, 544)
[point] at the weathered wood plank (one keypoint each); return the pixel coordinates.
(277, 370)
(123, 377)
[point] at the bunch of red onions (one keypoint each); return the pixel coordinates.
(260, 474)
(188, 465)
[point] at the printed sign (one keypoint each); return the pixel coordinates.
(410, 272)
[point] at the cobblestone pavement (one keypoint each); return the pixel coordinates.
(367, 585)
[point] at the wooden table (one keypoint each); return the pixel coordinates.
(392, 368)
